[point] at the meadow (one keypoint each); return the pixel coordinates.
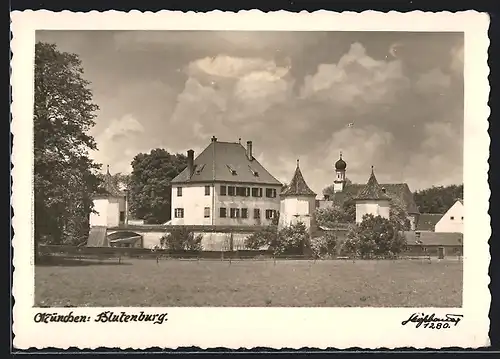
(249, 283)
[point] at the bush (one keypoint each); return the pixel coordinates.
(374, 237)
(262, 238)
(289, 240)
(181, 239)
(324, 246)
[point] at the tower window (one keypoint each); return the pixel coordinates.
(207, 190)
(179, 191)
(452, 218)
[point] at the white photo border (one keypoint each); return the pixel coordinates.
(234, 328)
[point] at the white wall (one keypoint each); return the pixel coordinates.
(376, 208)
(193, 201)
(250, 203)
(339, 186)
(297, 209)
(101, 217)
(449, 225)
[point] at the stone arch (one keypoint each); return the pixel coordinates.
(125, 239)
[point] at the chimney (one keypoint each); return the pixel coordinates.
(214, 139)
(249, 151)
(190, 161)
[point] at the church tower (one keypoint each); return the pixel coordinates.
(339, 183)
(298, 202)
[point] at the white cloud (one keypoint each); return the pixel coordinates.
(356, 76)
(433, 81)
(457, 59)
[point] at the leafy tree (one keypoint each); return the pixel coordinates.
(150, 190)
(330, 216)
(398, 214)
(64, 175)
(324, 246)
(181, 239)
(288, 240)
(438, 199)
(375, 236)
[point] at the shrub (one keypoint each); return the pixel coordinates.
(289, 240)
(324, 246)
(181, 239)
(374, 237)
(262, 238)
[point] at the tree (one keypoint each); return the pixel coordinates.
(324, 246)
(375, 236)
(181, 239)
(398, 214)
(150, 190)
(288, 240)
(438, 199)
(64, 175)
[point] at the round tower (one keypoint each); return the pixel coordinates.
(340, 167)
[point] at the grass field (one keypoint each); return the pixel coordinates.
(174, 283)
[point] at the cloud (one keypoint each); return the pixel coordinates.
(116, 144)
(356, 78)
(457, 59)
(433, 81)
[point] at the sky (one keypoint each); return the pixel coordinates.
(392, 100)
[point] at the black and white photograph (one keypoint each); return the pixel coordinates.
(256, 168)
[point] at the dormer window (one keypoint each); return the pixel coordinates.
(255, 173)
(232, 170)
(199, 169)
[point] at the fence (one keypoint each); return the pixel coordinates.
(102, 253)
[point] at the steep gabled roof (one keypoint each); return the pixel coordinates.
(298, 185)
(399, 190)
(427, 221)
(108, 187)
(372, 190)
(226, 162)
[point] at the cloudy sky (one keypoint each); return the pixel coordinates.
(393, 100)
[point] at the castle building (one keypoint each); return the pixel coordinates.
(298, 202)
(110, 205)
(343, 190)
(224, 185)
(372, 199)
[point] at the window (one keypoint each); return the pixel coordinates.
(223, 190)
(179, 213)
(122, 216)
(240, 191)
(206, 213)
(452, 218)
(234, 213)
(256, 213)
(222, 212)
(179, 191)
(207, 190)
(270, 192)
(256, 192)
(244, 213)
(269, 213)
(231, 191)
(462, 218)
(247, 191)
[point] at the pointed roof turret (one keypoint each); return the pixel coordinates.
(298, 185)
(372, 190)
(109, 186)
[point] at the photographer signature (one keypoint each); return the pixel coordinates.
(432, 321)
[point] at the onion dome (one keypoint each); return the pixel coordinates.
(340, 164)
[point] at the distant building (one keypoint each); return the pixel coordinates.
(348, 191)
(453, 220)
(427, 221)
(224, 185)
(110, 205)
(298, 202)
